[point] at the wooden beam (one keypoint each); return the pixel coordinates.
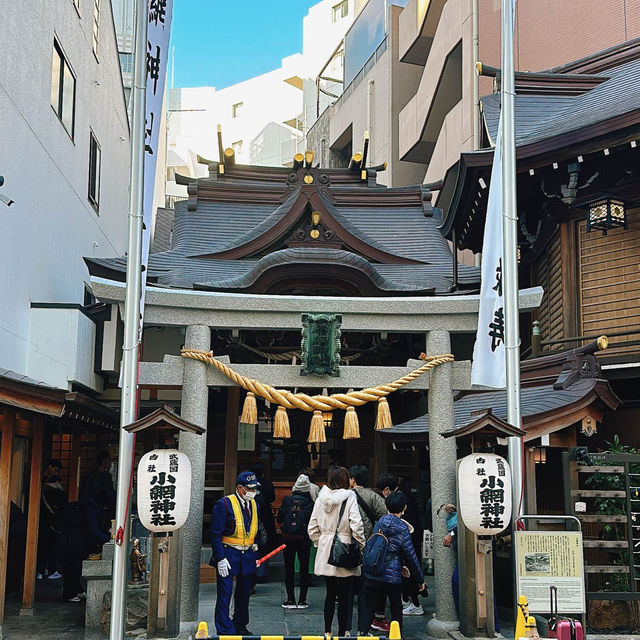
(531, 496)
(569, 278)
(231, 441)
(33, 516)
(6, 451)
(74, 466)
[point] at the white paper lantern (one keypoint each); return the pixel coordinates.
(164, 489)
(484, 489)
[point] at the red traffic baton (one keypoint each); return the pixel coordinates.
(270, 555)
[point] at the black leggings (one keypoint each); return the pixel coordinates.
(373, 591)
(340, 588)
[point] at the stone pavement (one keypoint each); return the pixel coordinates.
(269, 618)
(57, 620)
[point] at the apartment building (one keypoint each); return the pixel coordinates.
(376, 86)
(442, 117)
(65, 150)
(410, 75)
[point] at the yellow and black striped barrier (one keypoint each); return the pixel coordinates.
(203, 634)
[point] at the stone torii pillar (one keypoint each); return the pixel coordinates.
(442, 459)
(194, 408)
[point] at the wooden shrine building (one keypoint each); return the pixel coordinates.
(258, 254)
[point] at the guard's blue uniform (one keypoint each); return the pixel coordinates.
(243, 567)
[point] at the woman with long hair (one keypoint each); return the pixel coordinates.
(336, 510)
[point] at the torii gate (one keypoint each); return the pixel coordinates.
(199, 312)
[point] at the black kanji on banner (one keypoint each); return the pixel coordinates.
(496, 329)
(153, 65)
(157, 11)
(148, 131)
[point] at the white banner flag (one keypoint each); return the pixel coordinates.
(159, 14)
(488, 367)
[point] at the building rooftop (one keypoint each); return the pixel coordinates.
(282, 230)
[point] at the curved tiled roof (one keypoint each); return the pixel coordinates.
(534, 401)
(225, 238)
(539, 117)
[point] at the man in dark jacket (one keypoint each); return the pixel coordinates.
(294, 516)
(399, 553)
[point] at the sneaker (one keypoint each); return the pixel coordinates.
(381, 624)
(303, 604)
(74, 599)
(289, 604)
(38, 576)
(56, 575)
(412, 610)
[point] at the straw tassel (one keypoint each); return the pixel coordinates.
(383, 417)
(351, 425)
(281, 424)
(250, 409)
(316, 432)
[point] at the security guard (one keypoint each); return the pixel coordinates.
(234, 525)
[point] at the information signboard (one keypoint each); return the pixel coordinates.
(246, 436)
(550, 559)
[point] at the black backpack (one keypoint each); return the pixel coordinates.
(296, 516)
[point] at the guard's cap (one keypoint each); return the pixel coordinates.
(247, 479)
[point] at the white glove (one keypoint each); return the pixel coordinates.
(224, 567)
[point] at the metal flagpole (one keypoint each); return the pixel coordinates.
(509, 260)
(128, 406)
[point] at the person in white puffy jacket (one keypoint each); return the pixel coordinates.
(321, 529)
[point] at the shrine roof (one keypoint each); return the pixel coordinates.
(251, 227)
(539, 404)
(556, 391)
(539, 117)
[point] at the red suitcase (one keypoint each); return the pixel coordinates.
(562, 628)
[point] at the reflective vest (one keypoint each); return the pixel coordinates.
(240, 536)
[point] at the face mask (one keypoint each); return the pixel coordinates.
(250, 495)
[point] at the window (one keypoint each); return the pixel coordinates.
(126, 62)
(96, 25)
(236, 109)
(237, 147)
(63, 89)
(339, 10)
(94, 171)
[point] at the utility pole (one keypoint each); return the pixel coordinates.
(128, 406)
(509, 260)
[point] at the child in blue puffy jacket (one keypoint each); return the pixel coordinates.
(400, 553)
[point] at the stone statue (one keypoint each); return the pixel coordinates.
(138, 563)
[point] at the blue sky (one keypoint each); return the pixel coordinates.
(221, 42)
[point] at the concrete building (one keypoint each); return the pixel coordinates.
(64, 140)
(65, 131)
(376, 87)
(263, 119)
(259, 119)
(413, 85)
(437, 123)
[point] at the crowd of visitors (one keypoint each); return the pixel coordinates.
(368, 546)
(70, 531)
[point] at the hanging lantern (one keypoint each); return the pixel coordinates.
(606, 213)
(484, 486)
(327, 417)
(540, 455)
(164, 490)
